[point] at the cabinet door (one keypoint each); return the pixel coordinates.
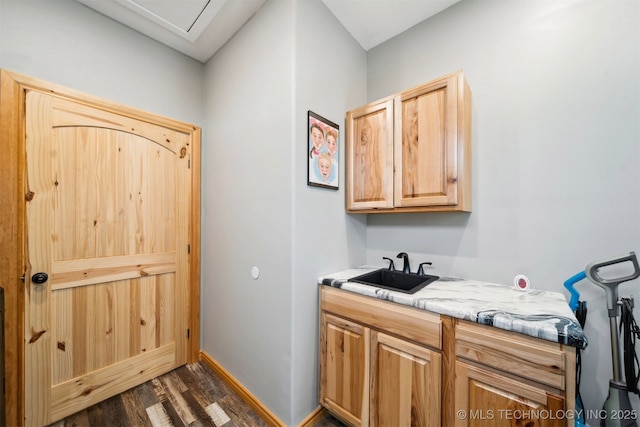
(485, 398)
(405, 383)
(370, 156)
(343, 369)
(426, 145)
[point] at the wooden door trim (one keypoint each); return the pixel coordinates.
(12, 210)
(193, 350)
(13, 88)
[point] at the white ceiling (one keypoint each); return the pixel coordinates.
(372, 22)
(198, 28)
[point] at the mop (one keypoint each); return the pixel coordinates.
(616, 410)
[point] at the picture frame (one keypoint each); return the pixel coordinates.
(323, 152)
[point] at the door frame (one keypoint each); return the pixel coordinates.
(13, 87)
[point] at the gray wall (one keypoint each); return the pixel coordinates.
(330, 70)
(247, 205)
(259, 211)
(64, 42)
(556, 148)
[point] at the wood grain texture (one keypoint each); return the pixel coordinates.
(487, 398)
(195, 248)
(109, 199)
(405, 383)
(430, 147)
(372, 371)
(370, 156)
(425, 156)
(12, 194)
(506, 371)
(71, 396)
(465, 136)
(25, 82)
(426, 144)
(38, 347)
(124, 324)
(344, 369)
(181, 139)
(527, 357)
(570, 377)
(114, 196)
(315, 418)
(448, 369)
(89, 271)
(411, 323)
(191, 395)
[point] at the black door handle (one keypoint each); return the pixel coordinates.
(39, 278)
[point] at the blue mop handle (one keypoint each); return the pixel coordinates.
(575, 295)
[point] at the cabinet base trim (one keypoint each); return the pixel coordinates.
(314, 418)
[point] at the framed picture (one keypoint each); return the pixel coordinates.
(323, 154)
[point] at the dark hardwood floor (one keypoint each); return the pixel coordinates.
(330, 421)
(192, 395)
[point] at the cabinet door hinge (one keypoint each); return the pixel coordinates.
(189, 164)
(188, 333)
(188, 248)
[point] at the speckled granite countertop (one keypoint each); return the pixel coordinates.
(540, 314)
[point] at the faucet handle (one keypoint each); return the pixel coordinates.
(421, 270)
(392, 266)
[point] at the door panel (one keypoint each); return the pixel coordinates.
(112, 196)
(426, 149)
(487, 398)
(344, 368)
(108, 219)
(370, 156)
(405, 383)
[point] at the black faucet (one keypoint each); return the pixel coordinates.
(392, 267)
(420, 270)
(405, 267)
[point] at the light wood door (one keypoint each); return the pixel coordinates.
(344, 368)
(108, 220)
(426, 145)
(370, 156)
(405, 383)
(486, 398)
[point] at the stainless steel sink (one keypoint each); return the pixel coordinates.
(395, 280)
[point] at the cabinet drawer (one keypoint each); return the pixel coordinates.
(407, 322)
(528, 357)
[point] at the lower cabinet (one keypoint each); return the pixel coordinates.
(405, 383)
(385, 364)
(506, 379)
(487, 398)
(373, 372)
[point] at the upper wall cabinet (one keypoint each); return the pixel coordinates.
(411, 152)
